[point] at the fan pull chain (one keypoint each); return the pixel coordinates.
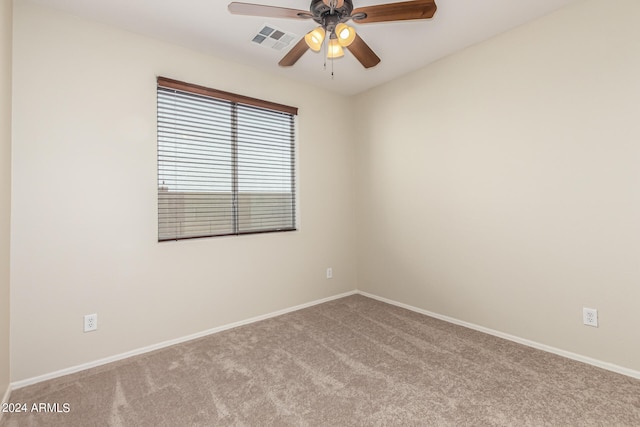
(331, 68)
(325, 43)
(326, 54)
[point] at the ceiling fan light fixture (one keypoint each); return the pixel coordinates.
(346, 34)
(334, 49)
(314, 39)
(330, 14)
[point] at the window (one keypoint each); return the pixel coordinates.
(226, 163)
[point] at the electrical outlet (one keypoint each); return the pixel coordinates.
(590, 316)
(329, 273)
(90, 322)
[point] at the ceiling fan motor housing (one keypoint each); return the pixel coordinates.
(323, 16)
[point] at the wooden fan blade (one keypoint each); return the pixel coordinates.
(294, 54)
(416, 9)
(363, 53)
(250, 9)
(339, 3)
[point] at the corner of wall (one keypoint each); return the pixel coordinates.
(6, 41)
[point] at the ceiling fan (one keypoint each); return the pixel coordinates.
(333, 15)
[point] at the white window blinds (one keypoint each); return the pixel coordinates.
(226, 163)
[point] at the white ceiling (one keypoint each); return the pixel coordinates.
(207, 26)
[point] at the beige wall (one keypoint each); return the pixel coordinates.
(501, 186)
(85, 223)
(5, 186)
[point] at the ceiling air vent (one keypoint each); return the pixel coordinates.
(274, 38)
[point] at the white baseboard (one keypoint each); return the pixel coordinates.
(574, 356)
(5, 399)
(29, 381)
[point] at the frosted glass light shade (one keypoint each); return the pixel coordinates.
(314, 39)
(335, 50)
(346, 34)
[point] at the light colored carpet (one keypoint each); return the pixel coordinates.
(352, 361)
